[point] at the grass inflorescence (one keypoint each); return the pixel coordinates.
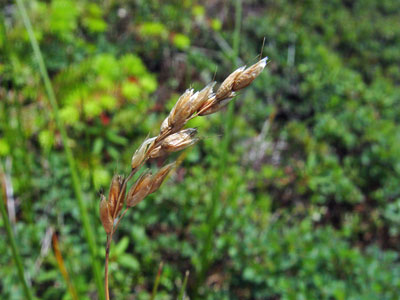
(171, 138)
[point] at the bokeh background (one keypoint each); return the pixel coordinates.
(292, 194)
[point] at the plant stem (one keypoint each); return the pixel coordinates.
(14, 249)
(157, 282)
(183, 288)
(110, 235)
(109, 238)
(89, 235)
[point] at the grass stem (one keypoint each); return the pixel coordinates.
(14, 249)
(89, 235)
(157, 281)
(183, 288)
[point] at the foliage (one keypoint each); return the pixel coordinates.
(309, 207)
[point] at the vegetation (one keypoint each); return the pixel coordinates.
(304, 204)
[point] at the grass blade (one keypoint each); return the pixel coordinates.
(89, 235)
(183, 288)
(157, 282)
(14, 249)
(62, 268)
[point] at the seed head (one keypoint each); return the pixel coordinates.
(159, 177)
(105, 215)
(181, 106)
(139, 190)
(216, 106)
(179, 113)
(200, 98)
(140, 154)
(115, 191)
(164, 125)
(157, 152)
(207, 104)
(251, 73)
(180, 140)
(226, 87)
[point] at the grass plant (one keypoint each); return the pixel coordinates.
(89, 235)
(13, 245)
(171, 138)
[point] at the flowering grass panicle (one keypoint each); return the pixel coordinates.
(171, 138)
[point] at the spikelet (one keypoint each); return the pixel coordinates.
(251, 73)
(105, 215)
(115, 190)
(180, 140)
(157, 152)
(217, 106)
(159, 177)
(164, 125)
(207, 104)
(179, 114)
(139, 190)
(201, 98)
(226, 87)
(140, 154)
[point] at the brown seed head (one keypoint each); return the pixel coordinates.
(139, 190)
(164, 125)
(251, 73)
(178, 115)
(159, 177)
(115, 191)
(217, 105)
(180, 140)
(207, 104)
(140, 153)
(157, 152)
(180, 112)
(105, 215)
(200, 98)
(226, 87)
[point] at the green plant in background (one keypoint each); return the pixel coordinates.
(308, 205)
(89, 235)
(11, 240)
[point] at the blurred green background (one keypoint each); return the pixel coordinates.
(292, 194)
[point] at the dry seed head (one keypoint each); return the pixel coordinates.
(157, 152)
(178, 115)
(207, 104)
(180, 112)
(160, 176)
(105, 215)
(140, 153)
(226, 87)
(115, 190)
(217, 105)
(180, 140)
(164, 125)
(251, 73)
(201, 97)
(139, 190)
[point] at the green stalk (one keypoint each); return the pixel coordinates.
(89, 235)
(14, 249)
(157, 281)
(183, 288)
(228, 120)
